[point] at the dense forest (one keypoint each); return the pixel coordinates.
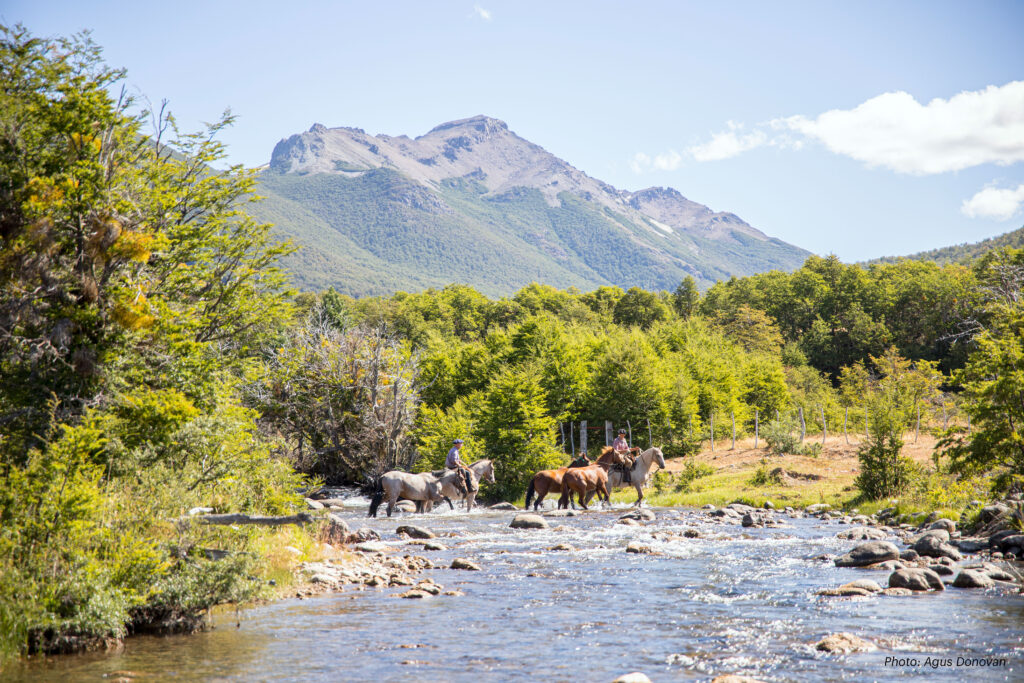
(154, 361)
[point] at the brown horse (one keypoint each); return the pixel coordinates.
(546, 481)
(584, 481)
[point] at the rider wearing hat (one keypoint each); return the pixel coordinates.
(454, 462)
(623, 453)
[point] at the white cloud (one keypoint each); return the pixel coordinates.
(728, 144)
(482, 13)
(1002, 204)
(896, 131)
(640, 162)
(669, 161)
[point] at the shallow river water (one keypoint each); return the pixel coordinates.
(734, 600)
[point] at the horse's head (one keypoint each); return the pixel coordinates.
(488, 472)
(659, 457)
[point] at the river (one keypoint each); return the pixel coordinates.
(734, 600)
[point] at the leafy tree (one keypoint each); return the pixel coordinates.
(993, 396)
(686, 298)
(639, 308)
(516, 430)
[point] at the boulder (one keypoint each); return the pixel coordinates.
(628, 521)
(708, 506)
(503, 506)
(415, 593)
(314, 505)
(1012, 544)
(562, 546)
(560, 513)
(897, 591)
(970, 545)
(372, 547)
(434, 545)
(869, 553)
(972, 578)
(640, 514)
(993, 571)
(754, 519)
(909, 556)
(888, 565)
(405, 506)
(931, 546)
(817, 508)
(335, 530)
(990, 513)
(638, 548)
(363, 534)
(844, 643)
(916, 579)
(768, 505)
(942, 569)
(940, 535)
(946, 524)
(415, 531)
(862, 533)
(726, 512)
(864, 584)
(461, 563)
(527, 520)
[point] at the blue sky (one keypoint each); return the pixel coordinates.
(858, 128)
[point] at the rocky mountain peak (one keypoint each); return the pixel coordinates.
(480, 125)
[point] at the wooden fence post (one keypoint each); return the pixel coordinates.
(803, 425)
(755, 428)
(650, 438)
(917, 427)
(608, 429)
(630, 428)
(561, 428)
(846, 416)
(824, 426)
(583, 436)
(732, 414)
(572, 438)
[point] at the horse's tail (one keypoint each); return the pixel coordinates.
(530, 490)
(378, 498)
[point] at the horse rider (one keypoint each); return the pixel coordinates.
(454, 462)
(623, 453)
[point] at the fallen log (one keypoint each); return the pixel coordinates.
(261, 520)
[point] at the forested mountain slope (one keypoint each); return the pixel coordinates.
(472, 202)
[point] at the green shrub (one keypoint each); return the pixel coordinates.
(781, 435)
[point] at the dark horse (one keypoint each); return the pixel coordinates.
(548, 481)
(584, 482)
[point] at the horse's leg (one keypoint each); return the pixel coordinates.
(449, 500)
(470, 497)
(583, 497)
(639, 495)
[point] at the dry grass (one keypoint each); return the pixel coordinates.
(830, 480)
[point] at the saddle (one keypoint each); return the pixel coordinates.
(623, 470)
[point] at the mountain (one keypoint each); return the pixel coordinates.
(963, 253)
(472, 202)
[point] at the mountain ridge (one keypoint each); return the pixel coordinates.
(475, 184)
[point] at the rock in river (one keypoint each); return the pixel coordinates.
(931, 546)
(415, 531)
(461, 563)
(862, 533)
(972, 578)
(844, 643)
(872, 552)
(526, 520)
(916, 579)
(503, 506)
(633, 677)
